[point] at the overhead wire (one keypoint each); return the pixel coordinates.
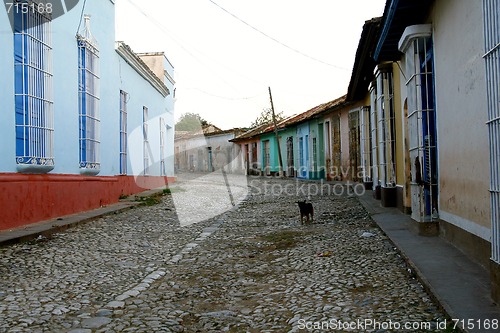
(276, 40)
(183, 47)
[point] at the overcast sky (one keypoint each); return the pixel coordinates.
(226, 53)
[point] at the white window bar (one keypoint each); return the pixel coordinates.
(365, 149)
(315, 155)
(88, 93)
(145, 131)
(163, 172)
(421, 123)
(386, 128)
(491, 8)
(337, 148)
(33, 91)
(123, 132)
(354, 144)
(374, 133)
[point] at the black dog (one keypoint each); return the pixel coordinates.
(306, 209)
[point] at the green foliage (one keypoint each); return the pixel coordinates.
(266, 118)
(191, 122)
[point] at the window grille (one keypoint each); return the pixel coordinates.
(421, 122)
(33, 91)
(145, 132)
(365, 149)
(337, 148)
(123, 132)
(374, 132)
(163, 171)
(290, 157)
(491, 8)
(386, 125)
(354, 144)
(88, 93)
(315, 155)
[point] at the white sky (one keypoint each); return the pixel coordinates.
(223, 67)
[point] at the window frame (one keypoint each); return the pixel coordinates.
(33, 94)
(88, 106)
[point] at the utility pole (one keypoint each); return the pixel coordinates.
(276, 133)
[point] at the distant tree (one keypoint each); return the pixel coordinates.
(190, 122)
(266, 118)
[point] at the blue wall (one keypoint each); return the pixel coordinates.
(115, 74)
(7, 116)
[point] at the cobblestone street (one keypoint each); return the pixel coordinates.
(253, 268)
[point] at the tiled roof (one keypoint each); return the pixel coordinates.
(293, 120)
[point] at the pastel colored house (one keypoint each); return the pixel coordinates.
(436, 103)
(83, 120)
(208, 151)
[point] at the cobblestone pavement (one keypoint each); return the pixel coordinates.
(254, 268)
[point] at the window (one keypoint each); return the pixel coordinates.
(267, 158)
(416, 43)
(33, 92)
(163, 171)
(88, 100)
(336, 149)
(491, 9)
(365, 149)
(146, 148)
(386, 126)
(374, 133)
(315, 155)
(354, 144)
(289, 157)
(123, 132)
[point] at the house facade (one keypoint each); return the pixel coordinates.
(77, 114)
(435, 113)
(208, 152)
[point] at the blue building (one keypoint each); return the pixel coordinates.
(84, 120)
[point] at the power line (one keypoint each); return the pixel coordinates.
(223, 97)
(169, 34)
(274, 39)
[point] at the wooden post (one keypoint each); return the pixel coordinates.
(276, 133)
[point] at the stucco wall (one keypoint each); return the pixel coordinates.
(461, 114)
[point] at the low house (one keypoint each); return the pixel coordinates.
(435, 98)
(208, 150)
(83, 120)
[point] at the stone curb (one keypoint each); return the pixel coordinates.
(48, 227)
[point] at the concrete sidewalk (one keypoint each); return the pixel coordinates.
(45, 228)
(461, 286)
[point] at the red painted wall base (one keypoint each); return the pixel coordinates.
(26, 199)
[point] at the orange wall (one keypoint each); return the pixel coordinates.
(26, 199)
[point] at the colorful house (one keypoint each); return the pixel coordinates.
(83, 120)
(436, 112)
(207, 151)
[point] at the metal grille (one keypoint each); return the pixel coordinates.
(491, 9)
(365, 149)
(422, 129)
(33, 89)
(386, 126)
(163, 172)
(374, 133)
(123, 132)
(336, 150)
(88, 79)
(354, 145)
(145, 132)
